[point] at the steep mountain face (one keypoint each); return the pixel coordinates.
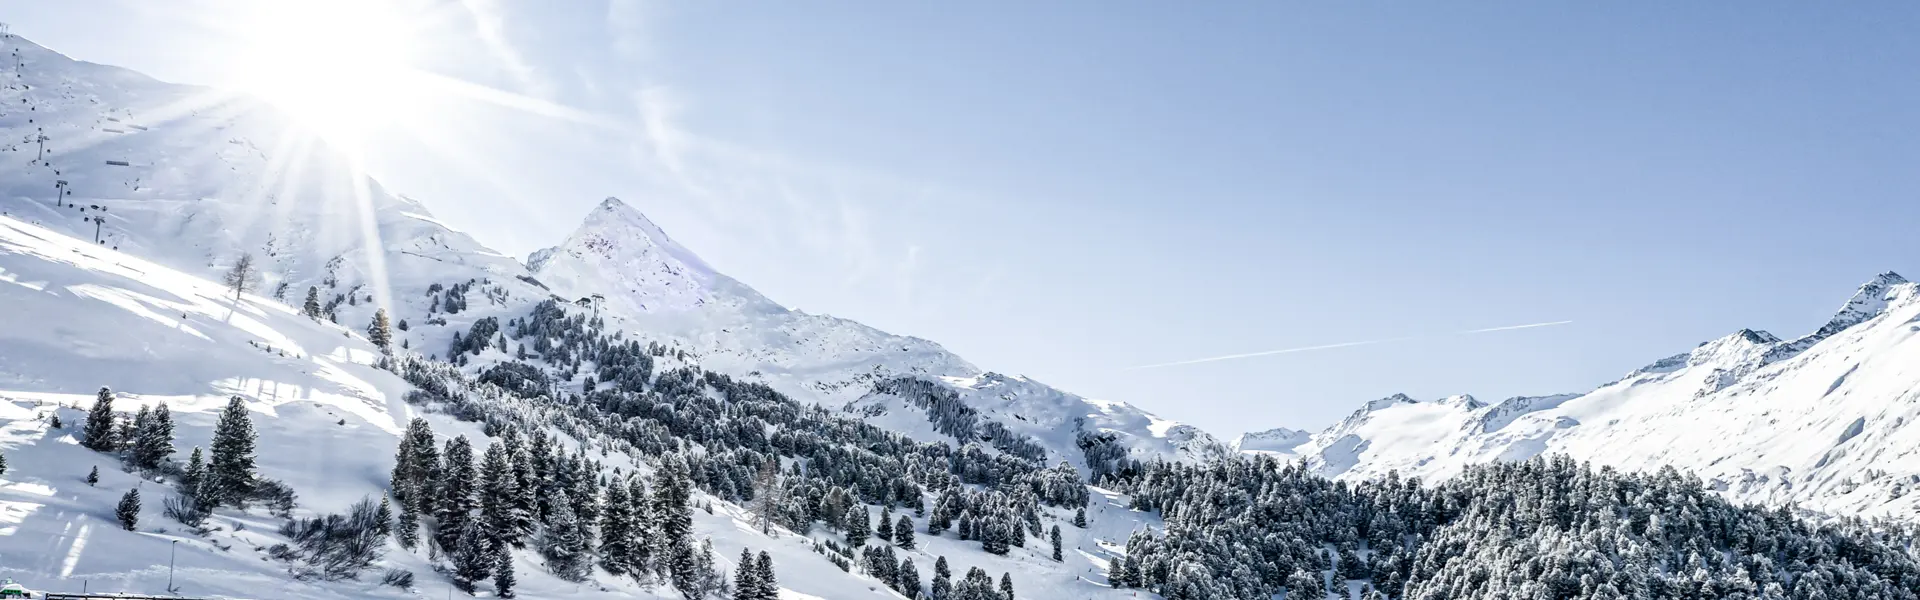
(1824, 420)
(643, 281)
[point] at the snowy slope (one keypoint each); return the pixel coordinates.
(209, 176)
(1824, 420)
(81, 317)
(645, 281)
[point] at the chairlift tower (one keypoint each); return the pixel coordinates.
(59, 192)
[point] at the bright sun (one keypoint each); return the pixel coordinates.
(339, 67)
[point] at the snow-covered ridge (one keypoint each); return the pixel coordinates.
(642, 280)
(1824, 420)
(191, 179)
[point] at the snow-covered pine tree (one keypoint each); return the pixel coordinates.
(93, 476)
(884, 531)
(407, 528)
(767, 583)
(453, 509)
(746, 582)
(130, 435)
(472, 559)
(646, 542)
(153, 437)
(383, 519)
(312, 306)
(498, 490)
(123, 433)
(903, 532)
(617, 531)
(977, 585)
(562, 542)
(692, 570)
(98, 435)
(942, 586)
(1054, 534)
(858, 524)
(128, 512)
(380, 331)
(196, 470)
(1080, 518)
(231, 469)
(503, 580)
(672, 513)
(1006, 586)
(907, 579)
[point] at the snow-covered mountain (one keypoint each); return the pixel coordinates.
(644, 281)
(179, 181)
(1825, 420)
(192, 178)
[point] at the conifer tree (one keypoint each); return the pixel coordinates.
(98, 435)
(646, 541)
(1080, 518)
(562, 542)
(858, 526)
(503, 580)
(673, 516)
(769, 584)
(383, 519)
(885, 530)
(1006, 586)
(93, 476)
(692, 569)
(123, 434)
(129, 509)
(312, 307)
(195, 472)
(618, 534)
(231, 470)
(942, 587)
(153, 437)
(1055, 535)
(408, 528)
(977, 585)
(526, 505)
(903, 532)
(55, 422)
(454, 508)
(746, 582)
(498, 491)
(380, 331)
(907, 578)
(472, 559)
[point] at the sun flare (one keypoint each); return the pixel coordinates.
(341, 68)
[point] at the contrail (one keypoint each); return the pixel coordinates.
(1512, 327)
(1332, 346)
(1265, 353)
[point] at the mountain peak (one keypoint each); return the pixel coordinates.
(1867, 302)
(621, 254)
(1393, 400)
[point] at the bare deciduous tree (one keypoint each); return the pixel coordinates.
(242, 276)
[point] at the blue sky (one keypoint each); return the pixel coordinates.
(1066, 189)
